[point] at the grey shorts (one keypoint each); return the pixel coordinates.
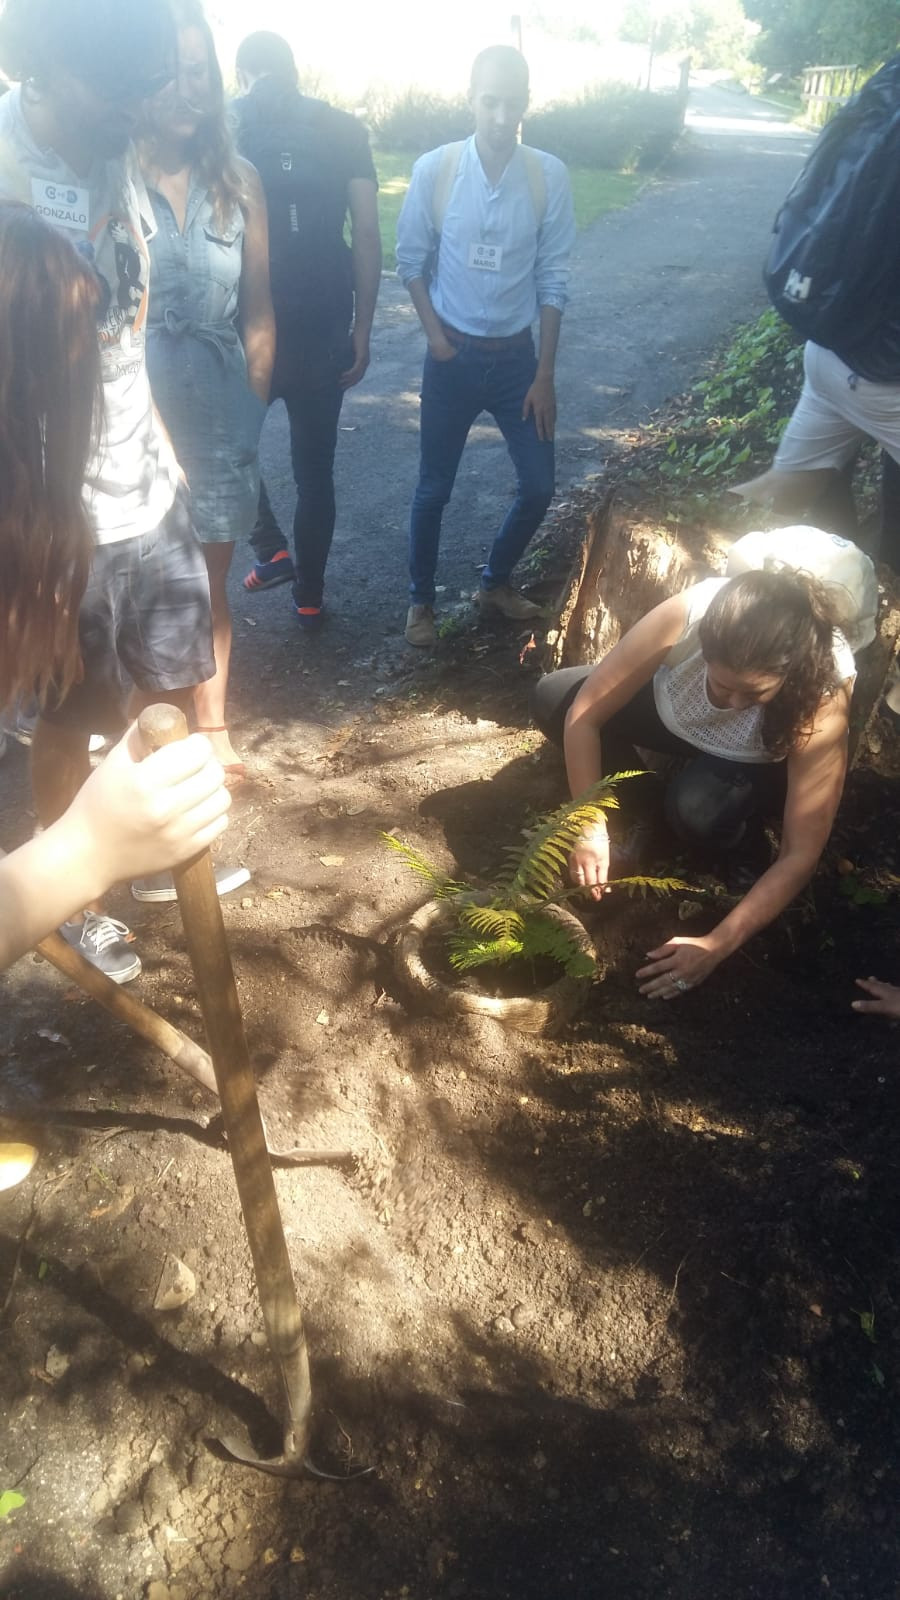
(144, 621)
(835, 413)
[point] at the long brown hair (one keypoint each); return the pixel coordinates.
(213, 156)
(780, 625)
(50, 410)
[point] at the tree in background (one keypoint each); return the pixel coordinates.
(646, 20)
(713, 32)
(864, 32)
(717, 34)
(810, 33)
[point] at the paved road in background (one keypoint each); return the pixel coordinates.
(654, 289)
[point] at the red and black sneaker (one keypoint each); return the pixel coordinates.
(268, 574)
(309, 617)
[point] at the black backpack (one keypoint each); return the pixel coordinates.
(833, 269)
(289, 138)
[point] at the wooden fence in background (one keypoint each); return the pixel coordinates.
(825, 89)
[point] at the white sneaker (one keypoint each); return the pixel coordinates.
(160, 886)
(102, 942)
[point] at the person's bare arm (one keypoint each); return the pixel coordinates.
(816, 774)
(417, 243)
(627, 667)
(257, 317)
(130, 818)
(365, 243)
(540, 401)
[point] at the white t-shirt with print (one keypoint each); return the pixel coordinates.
(130, 484)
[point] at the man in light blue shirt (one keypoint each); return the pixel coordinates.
(483, 243)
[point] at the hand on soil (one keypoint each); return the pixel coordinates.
(886, 1001)
(681, 962)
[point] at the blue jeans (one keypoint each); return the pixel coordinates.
(454, 393)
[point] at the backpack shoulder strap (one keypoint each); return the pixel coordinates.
(448, 167)
(537, 182)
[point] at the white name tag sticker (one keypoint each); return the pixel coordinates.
(66, 205)
(485, 257)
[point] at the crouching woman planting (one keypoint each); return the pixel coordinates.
(747, 683)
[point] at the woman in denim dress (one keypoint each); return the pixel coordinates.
(211, 329)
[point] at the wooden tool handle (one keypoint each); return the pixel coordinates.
(147, 1024)
(161, 724)
(204, 931)
(123, 1006)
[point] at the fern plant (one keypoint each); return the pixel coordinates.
(511, 919)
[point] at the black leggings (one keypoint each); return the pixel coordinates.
(709, 801)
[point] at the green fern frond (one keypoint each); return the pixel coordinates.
(539, 936)
(544, 873)
(615, 778)
(542, 863)
(511, 924)
(466, 952)
(491, 922)
(442, 887)
(542, 936)
(640, 885)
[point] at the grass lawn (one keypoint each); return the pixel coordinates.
(595, 192)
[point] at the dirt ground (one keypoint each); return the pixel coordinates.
(611, 1313)
(614, 1313)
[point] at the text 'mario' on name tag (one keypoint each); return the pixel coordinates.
(485, 257)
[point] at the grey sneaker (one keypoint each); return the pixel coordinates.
(22, 722)
(161, 885)
(420, 629)
(101, 940)
(508, 602)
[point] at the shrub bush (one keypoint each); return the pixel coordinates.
(738, 415)
(611, 126)
(417, 122)
(617, 127)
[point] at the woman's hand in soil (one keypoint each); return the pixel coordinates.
(678, 966)
(135, 816)
(885, 1000)
(589, 862)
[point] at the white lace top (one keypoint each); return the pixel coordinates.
(684, 706)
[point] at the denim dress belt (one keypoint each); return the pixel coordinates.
(221, 336)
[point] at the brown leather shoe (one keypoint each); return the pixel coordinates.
(508, 602)
(420, 629)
